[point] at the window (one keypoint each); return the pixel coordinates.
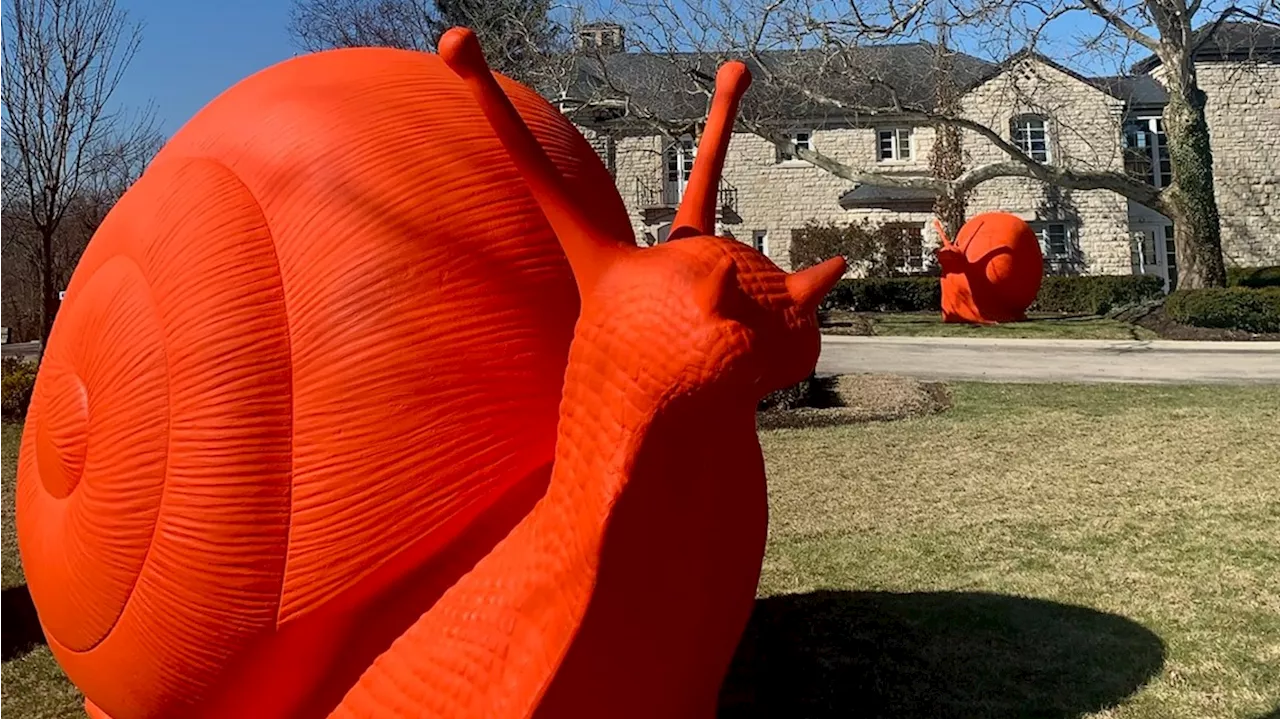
(904, 247)
(1170, 257)
(1146, 151)
(1030, 134)
(803, 139)
(760, 241)
(679, 167)
(1058, 245)
(894, 144)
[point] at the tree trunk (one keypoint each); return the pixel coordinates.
(947, 163)
(48, 293)
(1197, 231)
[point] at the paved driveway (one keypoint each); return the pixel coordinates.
(949, 358)
(22, 349)
(1004, 360)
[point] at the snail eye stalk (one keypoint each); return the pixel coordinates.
(697, 213)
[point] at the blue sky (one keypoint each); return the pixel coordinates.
(192, 50)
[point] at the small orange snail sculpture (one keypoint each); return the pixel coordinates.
(365, 403)
(992, 272)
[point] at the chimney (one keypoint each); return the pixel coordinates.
(602, 37)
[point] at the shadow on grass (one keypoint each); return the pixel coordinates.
(20, 630)
(944, 654)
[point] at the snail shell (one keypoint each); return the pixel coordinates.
(324, 331)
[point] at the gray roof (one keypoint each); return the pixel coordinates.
(1232, 41)
(665, 84)
(867, 77)
(869, 196)
(1133, 89)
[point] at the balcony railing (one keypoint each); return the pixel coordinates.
(661, 195)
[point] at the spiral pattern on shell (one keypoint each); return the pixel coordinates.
(327, 323)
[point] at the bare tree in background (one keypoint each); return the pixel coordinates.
(947, 159)
(68, 153)
(815, 52)
(518, 38)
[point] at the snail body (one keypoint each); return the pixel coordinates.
(365, 403)
(992, 272)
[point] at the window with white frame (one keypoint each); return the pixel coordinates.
(903, 244)
(760, 241)
(894, 144)
(802, 139)
(1030, 134)
(1146, 151)
(1058, 245)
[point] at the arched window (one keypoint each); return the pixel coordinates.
(1030, 133)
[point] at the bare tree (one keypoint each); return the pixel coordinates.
(517, 36)
(67, 150)
(947, 159)
(405, 24)
(819, 54)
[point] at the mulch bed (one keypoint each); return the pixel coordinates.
(1156, 320)
(842, 322)
(854, 398)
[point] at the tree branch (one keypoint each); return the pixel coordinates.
(1119, 23)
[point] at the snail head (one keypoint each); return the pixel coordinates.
(700, 308)
(951, 257)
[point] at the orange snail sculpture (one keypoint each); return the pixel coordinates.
(992, 272)
(364, 402)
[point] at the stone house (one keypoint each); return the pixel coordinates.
(1050, 112)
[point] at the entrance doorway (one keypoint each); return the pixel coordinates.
(1152, 252)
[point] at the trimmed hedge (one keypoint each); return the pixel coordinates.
(891, 294)
(19, 379)
(1253, 276)
(1091, 294)
(1238, 308)
(1096, 294)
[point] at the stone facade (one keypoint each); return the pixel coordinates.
(1083, 131)
(1083, 122)
(1243, 112)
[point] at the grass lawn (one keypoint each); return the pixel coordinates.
(1037, 326)
(1037, 551)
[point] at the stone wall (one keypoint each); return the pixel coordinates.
(1243, 112)
(1084, 132)
(773, 196)
(778, 197)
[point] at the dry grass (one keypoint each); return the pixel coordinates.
(1156, 505)
(1036, 551)
(1038, 326)
(32, 686)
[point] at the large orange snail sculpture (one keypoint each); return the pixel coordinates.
(364, 402)
(992, 272)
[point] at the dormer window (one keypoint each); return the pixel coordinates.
(1031, 135)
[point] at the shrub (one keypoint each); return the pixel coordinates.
(1096, 294)
(19, 379)
(1253, 276)
(886, 294)
(874, 250)
(1089, 294)
(1239, 308)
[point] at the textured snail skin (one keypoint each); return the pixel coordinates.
(363, 402)
(992, 272)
